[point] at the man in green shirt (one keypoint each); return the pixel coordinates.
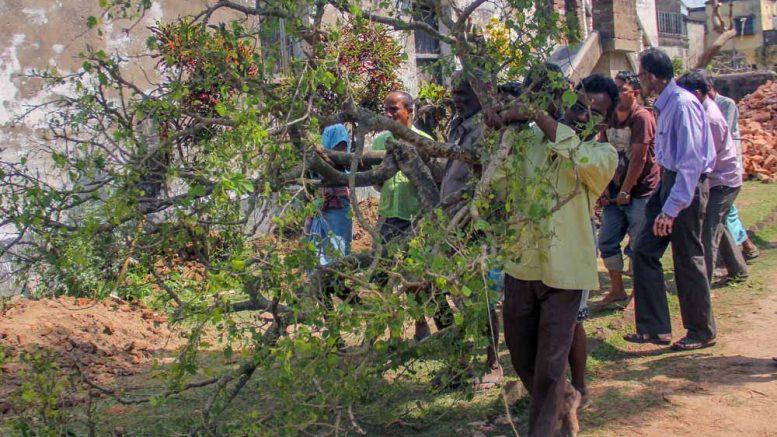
(399, 202)
(553, 259)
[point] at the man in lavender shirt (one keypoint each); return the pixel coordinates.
(674, 214)
(725, 180)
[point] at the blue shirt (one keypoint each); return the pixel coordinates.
(683, 144)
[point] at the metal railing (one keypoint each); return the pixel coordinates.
(672, 23)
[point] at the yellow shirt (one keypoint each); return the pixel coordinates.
(558, 249)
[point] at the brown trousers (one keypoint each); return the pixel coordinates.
(539, 325)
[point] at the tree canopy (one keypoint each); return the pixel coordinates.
(212, 159)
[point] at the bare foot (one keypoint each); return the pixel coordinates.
(612, 298)
(488, 381)
(569, 424)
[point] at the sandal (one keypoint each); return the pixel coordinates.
(642, 339)
(689, 344)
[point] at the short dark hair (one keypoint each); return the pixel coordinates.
(657, 62)
(630, 78)
(695, 80)
(596, 84)
(512, 88)
(406, 99)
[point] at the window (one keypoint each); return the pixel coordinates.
(427, 48)
(426, 44)
(672, 23)
(745, 25)
(277, 46)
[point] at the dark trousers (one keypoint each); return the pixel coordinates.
(693, 288)
(714, 233)
(393, 228)
(539, 326)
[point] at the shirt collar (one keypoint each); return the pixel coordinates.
(663, 98)
(707, 102)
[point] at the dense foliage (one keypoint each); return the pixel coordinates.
(189, 191)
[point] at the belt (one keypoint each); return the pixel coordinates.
(702, 177)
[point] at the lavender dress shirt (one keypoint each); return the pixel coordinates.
(727, 171)
(683, 144)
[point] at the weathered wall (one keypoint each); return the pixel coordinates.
(38, 34)
(695, 43)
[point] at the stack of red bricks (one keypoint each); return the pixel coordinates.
(758, 127)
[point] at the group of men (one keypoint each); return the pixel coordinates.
(665, 175)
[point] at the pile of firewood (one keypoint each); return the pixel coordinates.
(758, 127)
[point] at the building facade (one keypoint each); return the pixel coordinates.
(755, 21)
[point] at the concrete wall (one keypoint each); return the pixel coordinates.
(646, 10)
(695, 43)
(37, 34)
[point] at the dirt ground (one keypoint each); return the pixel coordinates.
(727, 390)
(105, 339)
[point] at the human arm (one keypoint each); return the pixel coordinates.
(595, 162)
(636, 166)
(643, 132)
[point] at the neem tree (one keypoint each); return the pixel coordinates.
(221, 141)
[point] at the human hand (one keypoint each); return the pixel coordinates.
(517, 111)
(623, 198)
(662, 226)
(322, 153)
(492, 119)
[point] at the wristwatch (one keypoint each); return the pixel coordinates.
(623, 193)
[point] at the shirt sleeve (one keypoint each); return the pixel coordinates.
(643, 128)
(379, 143)
(688, 148)
(595, 162)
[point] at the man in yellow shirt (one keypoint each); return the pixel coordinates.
(553, 256)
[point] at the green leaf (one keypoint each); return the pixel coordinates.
(91, 21)
(569, 97)
(87, 66)
(221, 110)
(238, 264)
(103, 4)
(466, 291)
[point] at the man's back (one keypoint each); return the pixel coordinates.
(727, 171)
(464, 133)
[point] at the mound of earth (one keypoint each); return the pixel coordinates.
(103, 339)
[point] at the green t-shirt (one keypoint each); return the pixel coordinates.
(398, 197)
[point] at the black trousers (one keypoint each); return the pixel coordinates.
(715, 236)
(693, 288)
(539, 326)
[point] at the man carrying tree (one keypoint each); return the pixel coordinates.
(465, 131)
(553, 258)
(399, 202)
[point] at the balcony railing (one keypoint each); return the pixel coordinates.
(672, 23)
